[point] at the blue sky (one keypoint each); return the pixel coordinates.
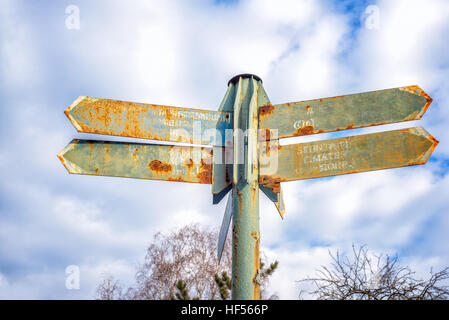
(183, 53)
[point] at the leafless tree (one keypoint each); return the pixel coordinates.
(374, 277)
(109, 289)
(181, 265)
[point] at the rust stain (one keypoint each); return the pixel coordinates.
(350, 126)
(62, 159)
(276, 188)
(160, 167)
(256, 277)
(107, 155)
(331, 98)
(264, 134)
(134, 155)
(167, 114)
(435, 142)
(176, 179)
(254, 197)
(205, 173)
(116, 117)
(268, 179)
(265, 148)
(415, 115)
(240, 202)
(128, 119)
(189, 164)
(305, 131)
(255, 235)
(417, 90)
(266, 110)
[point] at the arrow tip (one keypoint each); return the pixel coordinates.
(70, 108)
(420, 131)
(70, 166)
(416, 90)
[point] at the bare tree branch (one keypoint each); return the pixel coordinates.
(180, 265)
(369, 277)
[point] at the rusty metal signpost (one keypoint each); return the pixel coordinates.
(239, 150)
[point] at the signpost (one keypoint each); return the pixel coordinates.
(241, 152)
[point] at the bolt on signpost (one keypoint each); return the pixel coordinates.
(241, 151)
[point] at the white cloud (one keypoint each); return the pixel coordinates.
(3, 282)
(294, 265)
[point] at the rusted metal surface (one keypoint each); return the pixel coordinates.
(245, 192)
(375, 151)
(345, 112)
(133, 160)
(149, 121)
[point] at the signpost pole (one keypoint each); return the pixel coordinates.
(245, 190)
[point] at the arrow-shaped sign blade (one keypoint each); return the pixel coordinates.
(224, 228)
(149, 121)
(134, 160)
(368, 152)
(345, 112)
(222, 164)
(275, 194)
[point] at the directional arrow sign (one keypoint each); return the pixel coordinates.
(362, 153)
(345, 112)
(149, 121)
(133, 160)
(224, 228)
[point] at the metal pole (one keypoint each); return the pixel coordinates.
(245, 190)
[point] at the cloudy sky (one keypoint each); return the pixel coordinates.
(182, 53)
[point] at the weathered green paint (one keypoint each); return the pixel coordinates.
(245, 192)
(345, 112)
(134, 160)
(149, 121)
(222, 164)
(368, 152)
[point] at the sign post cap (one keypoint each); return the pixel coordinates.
(236, 78)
